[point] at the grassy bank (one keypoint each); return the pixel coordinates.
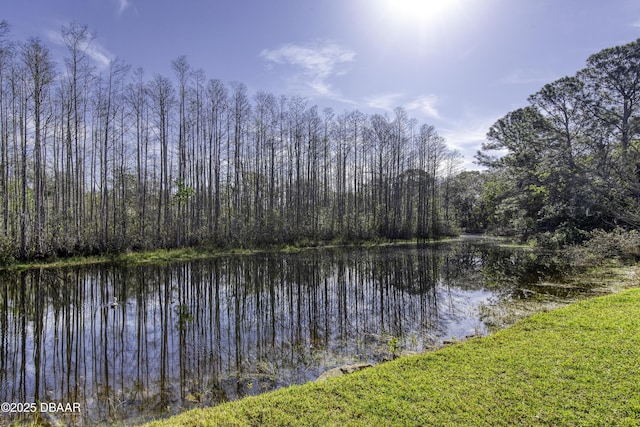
(160, 256)
(578, 365)
(147, 257)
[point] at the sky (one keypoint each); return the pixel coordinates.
(458, 65)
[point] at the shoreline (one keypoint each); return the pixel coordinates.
(529, 373)
(161, 256)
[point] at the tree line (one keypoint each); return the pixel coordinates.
(107, 160)
(569, 162)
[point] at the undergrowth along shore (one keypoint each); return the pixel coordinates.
(161, 256)
(577, 365)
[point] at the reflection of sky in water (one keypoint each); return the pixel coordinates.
(203, 332)
(461, 312)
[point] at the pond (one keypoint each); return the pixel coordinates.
(129, 343)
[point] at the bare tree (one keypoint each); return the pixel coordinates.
(163, 96)
(103, 163)
(77, 39)
(239, 110)
(39, 66)
(182, 71)
(217, 105)
(138, 99)
(6, 58)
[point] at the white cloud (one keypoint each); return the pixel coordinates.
(315, 64)
(123, 5)
(425, 104)
(467, 136)
(384, 101)
(100, 55)
(636, 23)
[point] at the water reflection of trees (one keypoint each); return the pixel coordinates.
(207, 331)
(522, 273)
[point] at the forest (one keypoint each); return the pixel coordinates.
(106, 160)
(569, 162)
(102, 161)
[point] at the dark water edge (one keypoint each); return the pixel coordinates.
(198, 333)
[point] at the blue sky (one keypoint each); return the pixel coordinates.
(456, 64)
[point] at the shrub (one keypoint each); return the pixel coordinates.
(615, 244)
(7, 254)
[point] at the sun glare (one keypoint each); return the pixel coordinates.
(416, 10)
(422, 19)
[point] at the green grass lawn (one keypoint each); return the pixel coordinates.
(576, 366)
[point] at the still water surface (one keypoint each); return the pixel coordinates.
(133, 342)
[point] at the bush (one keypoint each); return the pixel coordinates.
(546, 240)
(615, 244)
(7, 254)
